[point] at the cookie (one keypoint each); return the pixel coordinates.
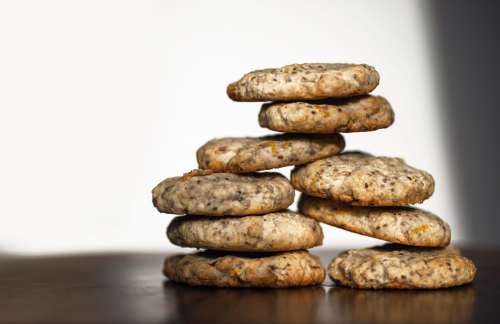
(274, 232)
(403, 225)
(399, 267)
(249, 154)
(358, 114)
(364, 180)
(305, 82)
(202, 192)
(280, 270)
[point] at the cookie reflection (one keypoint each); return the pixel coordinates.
(225, 305)
(455, 305)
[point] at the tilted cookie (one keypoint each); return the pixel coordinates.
(357, 114)
(274, 232)
(249, 154)
(305, 82)
(362, 179)
(202, 192)
(398, 267)
(403, 225)
(280, 270)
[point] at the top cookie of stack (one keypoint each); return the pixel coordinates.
(305, 82)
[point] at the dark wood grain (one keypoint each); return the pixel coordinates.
(129, 288)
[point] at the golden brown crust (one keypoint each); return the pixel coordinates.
(223, 194)
(403, 225)
(274, 232)
(364, 180)
(209, 268)
(249, 154)
(305, 82)
(399, 267)
(357, 114)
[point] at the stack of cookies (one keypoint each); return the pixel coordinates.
(239, 214)
(370, 196)
(251, 240)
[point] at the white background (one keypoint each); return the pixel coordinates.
(100, 100)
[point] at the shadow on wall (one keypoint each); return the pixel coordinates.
(465, 36)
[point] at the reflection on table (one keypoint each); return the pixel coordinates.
(314, 304)
(453, 305)
(225, 305)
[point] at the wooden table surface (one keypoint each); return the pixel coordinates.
(129, 288)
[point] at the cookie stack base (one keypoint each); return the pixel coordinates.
(395, 266)
(278, 270)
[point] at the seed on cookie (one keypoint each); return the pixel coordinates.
(228, 269)
(357, 114)
(249, 154)
(403, 225)
(274, 232)
(305, 82)
(364, 180)
(402, 267)
(203, 192)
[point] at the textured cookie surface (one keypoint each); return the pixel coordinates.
(361, 179)
(305, 82)
(248, 154)
(274, 232)
(223, 194)
(399, 267)
(403, 225)
(358, 114)
(209, 268)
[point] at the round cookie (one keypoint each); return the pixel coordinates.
(305, 82)
(358, 114)
(202, 192)
(274, 232)
(403, 225)
(249, 154)
(397, 267)
(210, 268)
(364, 180)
